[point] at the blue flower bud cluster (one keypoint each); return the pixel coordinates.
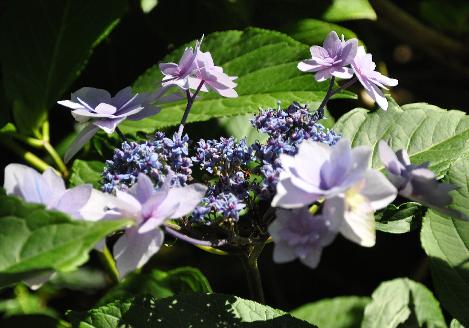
(286, 129)
(226, 159)
(237, 174)
(156, 158)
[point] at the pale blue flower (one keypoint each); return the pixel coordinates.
(364, 69)
(417, 182)
(150, 209)
(340, 176)
(102, 111)
(299, 234)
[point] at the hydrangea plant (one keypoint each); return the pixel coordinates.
(299, 188)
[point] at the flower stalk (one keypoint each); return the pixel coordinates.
(249, 260)
(190, 102)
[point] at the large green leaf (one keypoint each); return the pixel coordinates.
(339, 312)
(266, 65)
(446, 241)
(86, 172)
(159, 284)
(34, 240)
(48, 45)
(186, 310)
(427, 132)
(349, 9)
(400, 219)
(313, 31)
(402, 301)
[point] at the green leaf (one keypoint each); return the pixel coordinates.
(32, 320)
(349, 9)
(399, 219)
(86, 172)
(148, 5)
(240, 127)
(34, 240)
(400, 301)
(48, 49)
(446, 242)
(427, 132)
(83, 279)
(186, 310)
(159, 284)
(313, 31)
(266, 65)
(455, 324)
(339, 312)
(24, 302)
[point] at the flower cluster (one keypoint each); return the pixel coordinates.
(339, 177)
(287, 129)
(156, 158)
(227, 160)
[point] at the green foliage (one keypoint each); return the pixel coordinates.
(349, 9)
(266, 65)
(312, 31)
(186, 310)
(34, 240)
(427, 132)
(455, 324)
(24, 302)
(403, 302)
(86, 172)
(448, 16)
(33, 320)
(399, 219)
(159, 284)
(48, 49)
(446, 241)
(339, 312)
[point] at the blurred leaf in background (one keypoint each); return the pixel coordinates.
(49, 47)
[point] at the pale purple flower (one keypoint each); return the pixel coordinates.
(372, 81)
(150, 209)
(178, 74)
(417, 182)
(47, 188)
(195, 68)
(331, 59)
(212, 76)
(298, 234)
(339, 175)
(102, 111)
